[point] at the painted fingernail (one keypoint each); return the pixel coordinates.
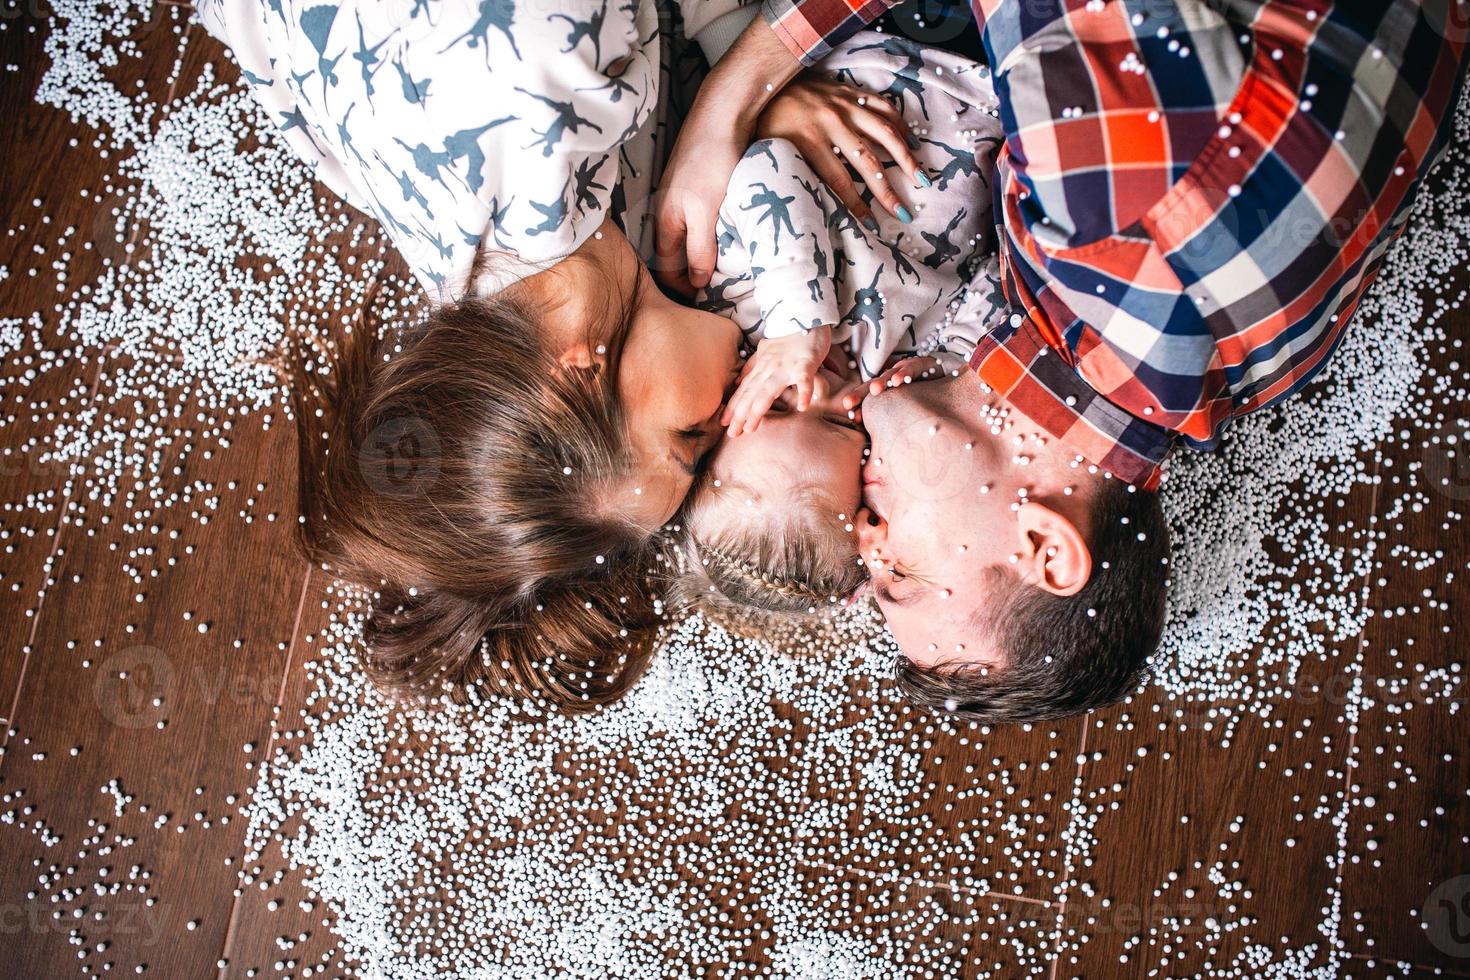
(903, 215)
(924, 180)
(871, 223)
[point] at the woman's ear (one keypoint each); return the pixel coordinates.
(1054, 556)
(581, 356)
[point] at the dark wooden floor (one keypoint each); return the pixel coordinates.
(89, 593)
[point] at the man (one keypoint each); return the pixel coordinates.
(1193, 196)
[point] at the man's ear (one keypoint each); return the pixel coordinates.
(1054, 556)
(581, 356)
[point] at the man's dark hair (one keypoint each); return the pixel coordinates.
(1065, 655)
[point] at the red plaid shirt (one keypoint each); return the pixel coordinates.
(1193, 196)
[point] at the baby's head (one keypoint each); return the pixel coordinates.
(767, 537)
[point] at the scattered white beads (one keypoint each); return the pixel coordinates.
(595, 847)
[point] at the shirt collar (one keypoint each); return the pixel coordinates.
(1037, 380)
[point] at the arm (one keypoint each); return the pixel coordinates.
(1110, 239)
(711, 142)
(778, 211)
(722, 122)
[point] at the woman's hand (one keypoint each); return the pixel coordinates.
(689, 200)
(777, 364)
(834, 125)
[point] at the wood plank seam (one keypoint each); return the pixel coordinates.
(133, 234)
(268, 741)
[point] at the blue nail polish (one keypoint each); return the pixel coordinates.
(871, 223)
(924, 180)
(904, 216)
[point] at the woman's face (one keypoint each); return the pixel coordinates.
(677, 368)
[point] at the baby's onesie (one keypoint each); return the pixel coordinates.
(792, 257)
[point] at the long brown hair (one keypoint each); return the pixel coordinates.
(457, 471)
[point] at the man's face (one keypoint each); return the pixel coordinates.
(951, 467)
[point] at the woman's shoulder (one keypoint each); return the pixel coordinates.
(461, 126)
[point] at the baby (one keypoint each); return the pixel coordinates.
(834, 307)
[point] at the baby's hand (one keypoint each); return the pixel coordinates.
(777, 364)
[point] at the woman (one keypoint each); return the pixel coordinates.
(554, 406)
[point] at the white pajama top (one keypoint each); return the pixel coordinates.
(518, 124)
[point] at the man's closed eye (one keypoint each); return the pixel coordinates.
(889, 596)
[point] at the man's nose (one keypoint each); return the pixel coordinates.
(872, 534)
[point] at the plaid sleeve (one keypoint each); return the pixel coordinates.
(1105, 107)
(1195, 196)
(812, 28)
